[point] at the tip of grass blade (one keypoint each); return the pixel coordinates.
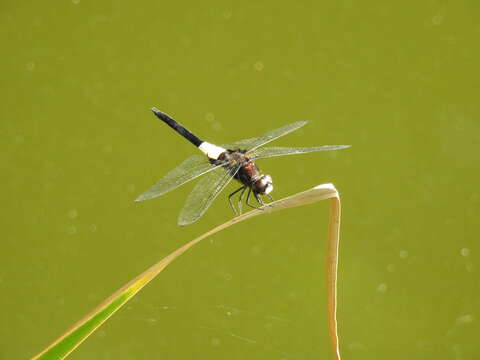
(328, 186)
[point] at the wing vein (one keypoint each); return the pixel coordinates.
(204, 193)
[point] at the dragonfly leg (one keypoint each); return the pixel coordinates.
(248, 200)
(259, 199)
(240, 198)
(271, 199)
(230, 199)
(256, 197)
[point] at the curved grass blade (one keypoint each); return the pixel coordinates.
(73, 337)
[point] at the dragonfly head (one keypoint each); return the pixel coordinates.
(264, 185)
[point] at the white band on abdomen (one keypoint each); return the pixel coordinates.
(212, 151)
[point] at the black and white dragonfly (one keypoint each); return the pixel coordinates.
(222, 164)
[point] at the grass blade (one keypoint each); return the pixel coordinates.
(73, 337)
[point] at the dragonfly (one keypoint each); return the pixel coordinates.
(221, 164)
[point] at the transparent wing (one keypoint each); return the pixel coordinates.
(191, 168)
(253, 143)
(204, 193)
(280, 151)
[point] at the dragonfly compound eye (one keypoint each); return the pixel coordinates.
(264, 185)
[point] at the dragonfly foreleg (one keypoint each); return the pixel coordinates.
(259, 199)
(230, 199)
(248, 200)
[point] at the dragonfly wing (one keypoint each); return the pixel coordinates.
(281, 151)
(204, 193)
(253, 143)
(191, 168)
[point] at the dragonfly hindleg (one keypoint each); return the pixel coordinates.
(230, 199)
(240, 200)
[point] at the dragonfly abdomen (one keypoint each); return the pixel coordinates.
(179, 128)
(211, 150)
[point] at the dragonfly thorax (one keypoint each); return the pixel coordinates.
(248, 172)
(231, 159)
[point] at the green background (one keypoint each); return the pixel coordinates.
(397, 80)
